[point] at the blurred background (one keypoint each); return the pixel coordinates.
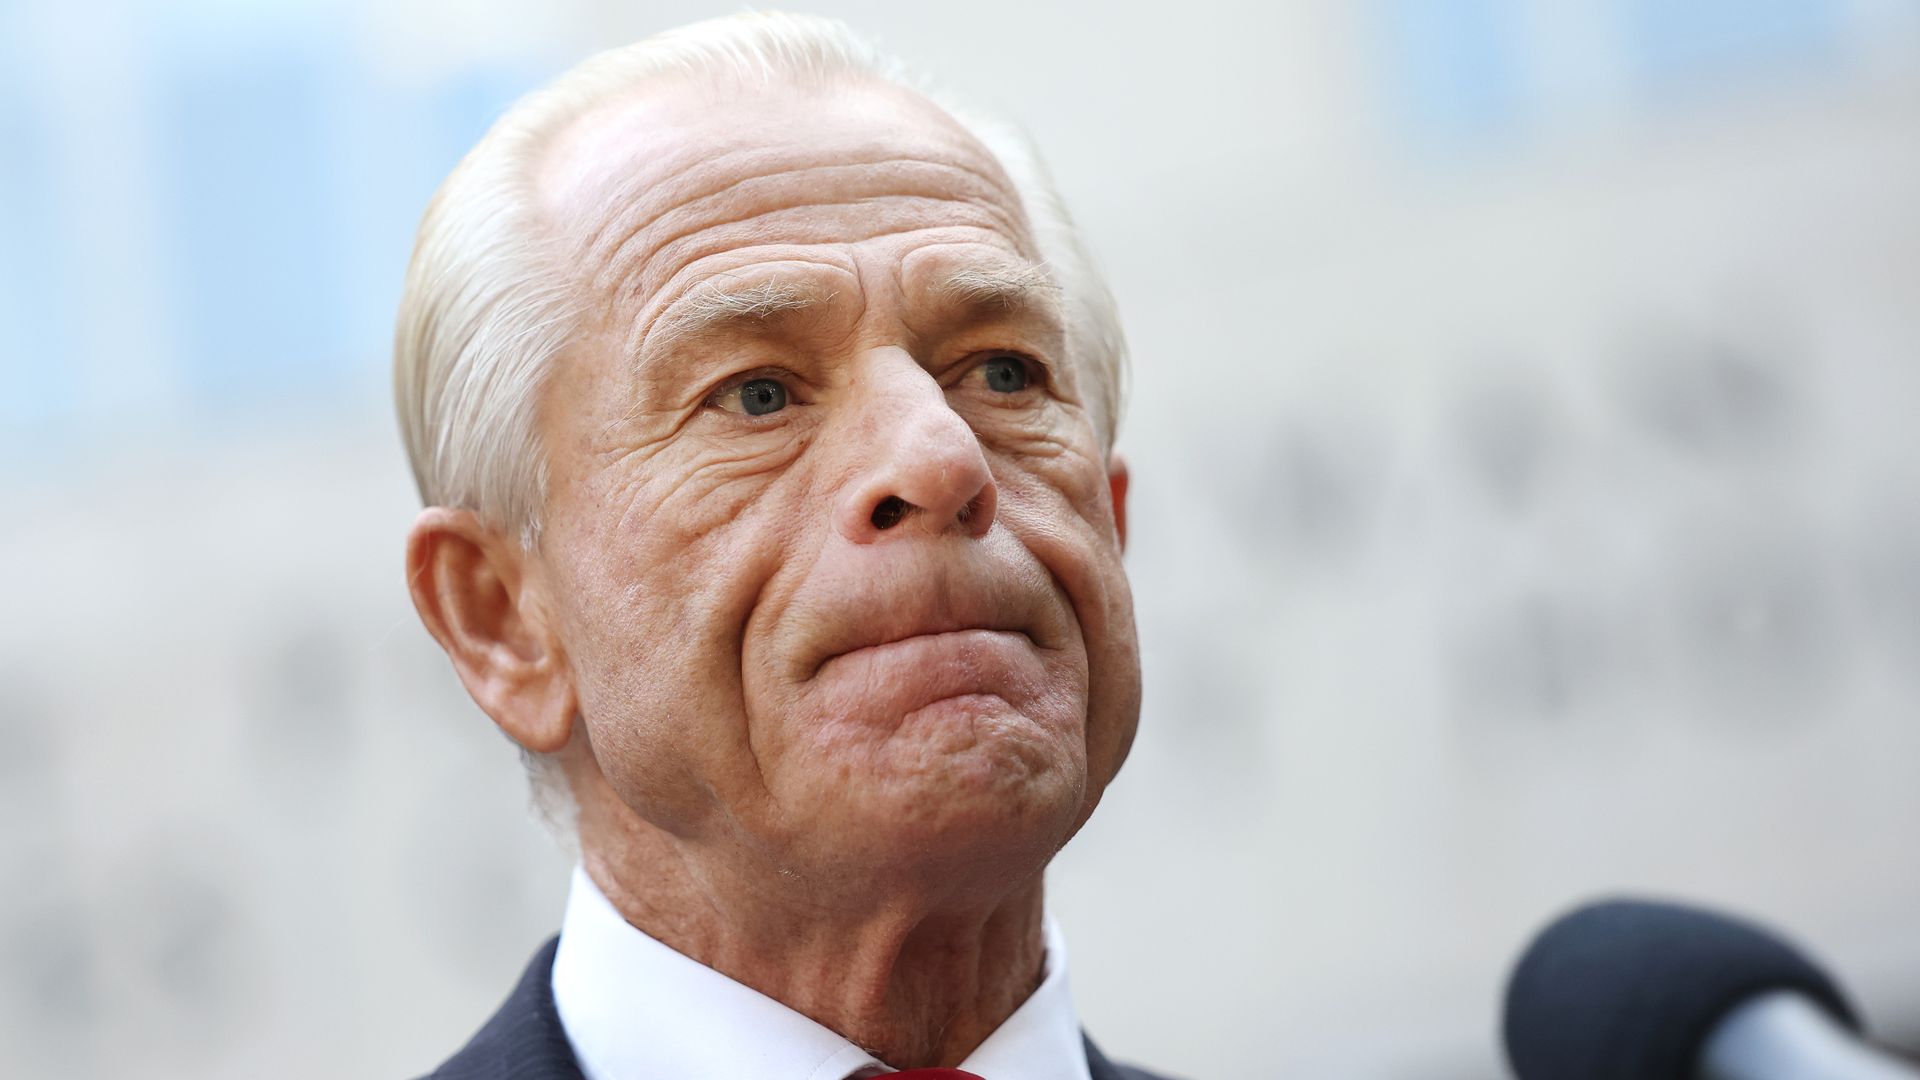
(1527, 506)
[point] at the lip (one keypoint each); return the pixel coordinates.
(956, 635)
(884, 683)
(944, 600)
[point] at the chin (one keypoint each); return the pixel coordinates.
(967, 853)
(956, 787)
(977, 750)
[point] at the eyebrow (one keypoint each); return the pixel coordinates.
(1005, 287)
(711, 308)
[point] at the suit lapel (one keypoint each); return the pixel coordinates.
(1097, 1064)
(524, 1040)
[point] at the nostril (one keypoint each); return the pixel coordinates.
(889, 512)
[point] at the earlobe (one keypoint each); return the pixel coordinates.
(482, 601)
(1117, 481)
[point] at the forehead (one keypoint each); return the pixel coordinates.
(651, 194)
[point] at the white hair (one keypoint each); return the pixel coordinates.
(489, 301)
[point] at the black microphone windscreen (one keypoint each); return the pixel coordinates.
(1630, 990)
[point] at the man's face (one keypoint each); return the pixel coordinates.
(830, 532)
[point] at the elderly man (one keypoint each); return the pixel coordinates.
(762, 410)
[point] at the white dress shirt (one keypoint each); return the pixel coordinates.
(634, 1009)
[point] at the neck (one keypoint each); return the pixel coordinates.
(912, 975)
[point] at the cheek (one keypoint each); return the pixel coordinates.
(1055, 485)
(1061, 508)
(676, 543)
(661, 579)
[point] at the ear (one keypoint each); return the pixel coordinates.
(1117, 480)
(484, 602)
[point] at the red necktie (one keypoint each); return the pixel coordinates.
(931, 1074)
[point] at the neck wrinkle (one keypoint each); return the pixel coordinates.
(915, 982)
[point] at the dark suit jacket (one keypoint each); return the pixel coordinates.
(524, 1040)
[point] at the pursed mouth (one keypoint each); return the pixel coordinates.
(960, 636)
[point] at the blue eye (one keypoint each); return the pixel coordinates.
(762, 396)
(1005, 374)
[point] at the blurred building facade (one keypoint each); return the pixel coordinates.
(1527, 506)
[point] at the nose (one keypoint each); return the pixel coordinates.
(919, 467)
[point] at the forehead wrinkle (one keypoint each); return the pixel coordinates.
(721, 240)
(674, 179)
(898, 178)
(629, 190)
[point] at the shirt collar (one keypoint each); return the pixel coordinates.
(634, 1009)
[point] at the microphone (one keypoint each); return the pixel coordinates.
(1635, 990)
